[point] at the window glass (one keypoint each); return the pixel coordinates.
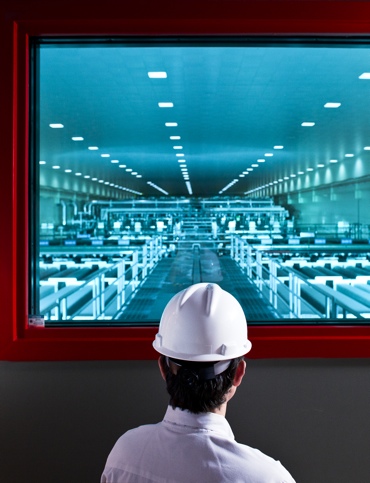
(156, 165)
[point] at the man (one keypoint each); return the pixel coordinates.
(202, 339)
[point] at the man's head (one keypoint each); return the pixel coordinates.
(202, 338)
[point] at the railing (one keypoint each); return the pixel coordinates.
(284, 293)
(109, 294)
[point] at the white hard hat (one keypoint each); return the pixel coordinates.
(203, 323)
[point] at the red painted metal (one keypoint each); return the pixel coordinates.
(21, 19)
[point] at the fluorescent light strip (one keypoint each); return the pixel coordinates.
(157, 187)
(365, 75)
(165, 104)
(157, 75)
(188, 185)
(56, 125)
(171, 124)
(307, 124)
(77, 138)
(332, 105)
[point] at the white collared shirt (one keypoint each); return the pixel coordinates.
(189, 448)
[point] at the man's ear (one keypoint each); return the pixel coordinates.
(162, 368)
(239, 374)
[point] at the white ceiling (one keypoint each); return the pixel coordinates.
(233, 104)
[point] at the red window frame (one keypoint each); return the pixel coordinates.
(22, 20)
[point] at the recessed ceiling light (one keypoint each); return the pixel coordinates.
(367, 148)
(177, 147)
(249, 169)
(241, 175)
(78, 174)
(94, 179)
(139, 176)
(122, 166)
(56, 125)
(77, 138)
(293, 175)
(286, 177)
(255, 165)
(68, 171)
(86, 176)
(179, 155)
(261, 160)
(101, 181)
(349, 155)
(42, 162)
(129, 170)
(268, 155)
(175, 138)
(307, 124)
(333, 160)
(280, 180)
(105, 155)
(157, 75)
(114, 161)
(278, 147)
(309, 169)
(56, 167)
(165, 104)
(332, 105)
(171, 124)
(365, 75)
(181, 160)
(300, 172)
(93, 148)
(134, 173)
(320, 165)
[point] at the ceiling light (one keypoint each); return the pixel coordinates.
(77, 138)
(94, 179)
(268, 155)
(134, 173)
(93, 148)
(129, 170)
(165, 104)
(255, 165)
(175, 138)
(365, 75)
(179, 155)
(42, 162)
(157, 75)
(320, 165)
(56, 167)
(286, 177)
(170, 124)
(56, 125)
(101, 181)
(280, 180)
(307, 124)
(68, 171)
(86, 176)
(105, 155)
(188, 185)
(278, 147)
(157, 187)
(309, 169)
(261, 160)
(349, 155)
(333, 160)
(293, 175)
(177, 147)
(300, 172)
(114, 161)
(139, 176)
(367, 148)
(241, 175)
(181, 160)
(249, 169)
(332, 105)
(107, 182)
(122, 166)
(78, 174)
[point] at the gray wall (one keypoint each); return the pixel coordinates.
(59, 420)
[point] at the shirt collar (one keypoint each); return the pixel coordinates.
(201, 421)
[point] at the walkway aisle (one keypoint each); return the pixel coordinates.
(174, 274)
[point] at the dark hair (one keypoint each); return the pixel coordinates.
(189, 391)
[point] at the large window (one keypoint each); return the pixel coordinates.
(158, 164)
